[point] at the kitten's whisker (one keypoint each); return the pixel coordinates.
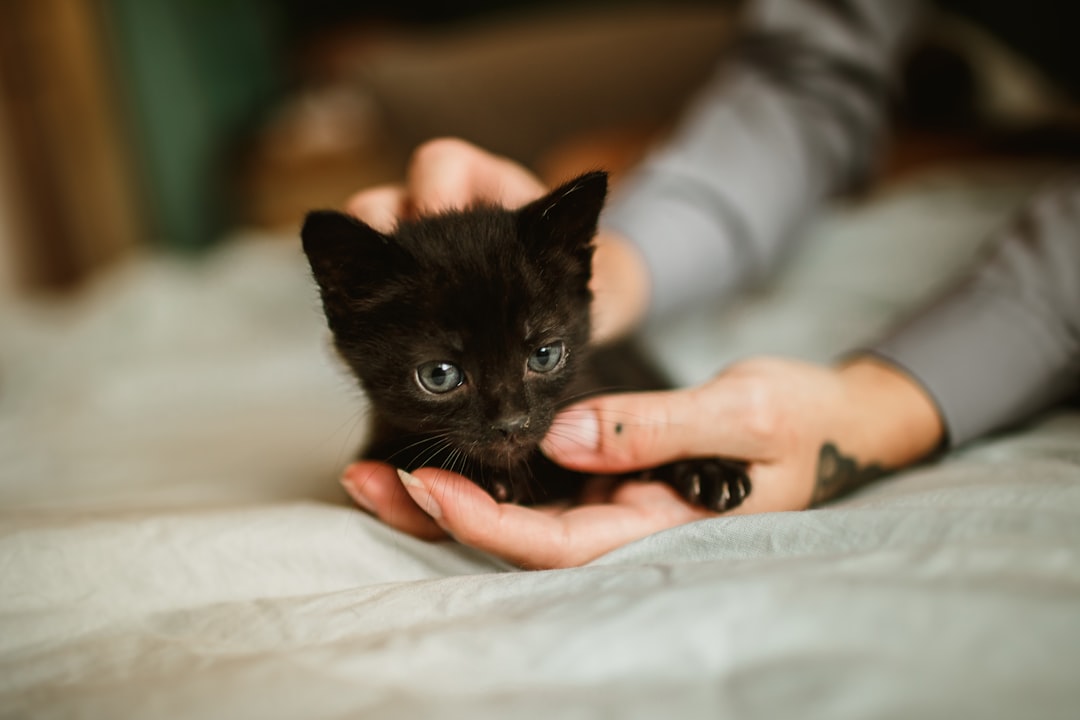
(576, 439)
(401, 451)
(426, 437)
(443, 469)
(441, 446)
(530, 483)
(451, 460)
(456, 456)
(347, 429)
(410, 462)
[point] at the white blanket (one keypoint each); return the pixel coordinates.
(173, 543)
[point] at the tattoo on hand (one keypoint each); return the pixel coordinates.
(837, 474)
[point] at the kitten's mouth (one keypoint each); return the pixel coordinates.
(509, 450)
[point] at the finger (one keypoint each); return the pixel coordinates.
(523, 536)
(376, 488)
(619, 284)
(660, 499)
(380, 207)
(534, 539)
(449, 173)
(634, 431)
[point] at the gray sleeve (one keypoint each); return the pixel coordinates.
(1005, 342)
(795, 115)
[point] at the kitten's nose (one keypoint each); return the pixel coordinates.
(511, 425)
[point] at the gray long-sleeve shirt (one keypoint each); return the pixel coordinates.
(800, 114)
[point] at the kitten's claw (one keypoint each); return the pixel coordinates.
(713, 483)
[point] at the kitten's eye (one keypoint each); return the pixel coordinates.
(439, 377)
(547, 358)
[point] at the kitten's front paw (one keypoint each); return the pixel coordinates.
(713, 483)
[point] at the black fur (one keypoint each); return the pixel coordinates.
(481, 289)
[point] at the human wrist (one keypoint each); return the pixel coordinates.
(620, 286)
(874, 419)
(892, 420)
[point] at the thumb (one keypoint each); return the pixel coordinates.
(634, 431)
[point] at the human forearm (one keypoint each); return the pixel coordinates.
(1004, 342)
(777, 130)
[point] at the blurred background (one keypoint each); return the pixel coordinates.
(128, 125)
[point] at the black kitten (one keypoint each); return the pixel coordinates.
(468, 331)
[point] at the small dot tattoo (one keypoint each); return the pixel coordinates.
(618, 428)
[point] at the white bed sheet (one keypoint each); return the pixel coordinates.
(173, 543)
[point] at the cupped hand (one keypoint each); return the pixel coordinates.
(808, 433)
(434, 504)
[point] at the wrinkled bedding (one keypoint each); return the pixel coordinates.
(173, 543)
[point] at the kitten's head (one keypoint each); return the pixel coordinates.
(469, 324)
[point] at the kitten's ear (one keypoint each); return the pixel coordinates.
(348, 257)
(567, 216)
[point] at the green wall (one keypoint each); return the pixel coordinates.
(194, 73)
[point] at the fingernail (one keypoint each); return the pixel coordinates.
(420, 493)
(574, 432)
(357, 496)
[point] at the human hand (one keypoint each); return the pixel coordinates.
(446, 174)
(807, 432)
(449, 173)
(434, 504)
